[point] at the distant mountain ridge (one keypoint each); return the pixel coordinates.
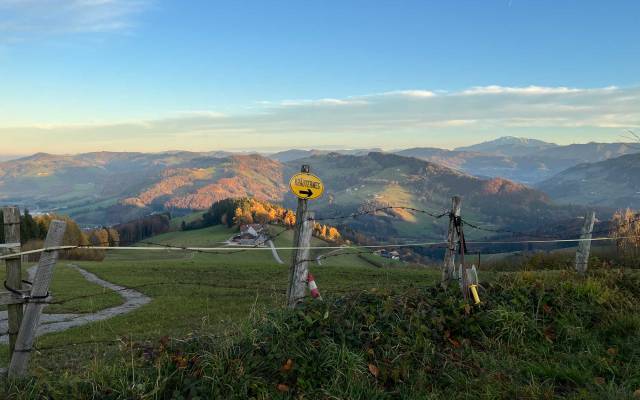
(7, 157)
(510, 146)
(296, 154)
(531, 166)
(614, 182)
(110, 187)
(106, 188)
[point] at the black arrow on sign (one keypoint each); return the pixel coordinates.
(308, 192)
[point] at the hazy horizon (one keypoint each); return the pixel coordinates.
(269, 151)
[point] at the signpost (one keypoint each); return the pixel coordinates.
(305, 186)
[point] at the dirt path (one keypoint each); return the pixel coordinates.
(59, 322)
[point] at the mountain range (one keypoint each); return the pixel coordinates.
(104, 188)
(522, 160)
(614, 182)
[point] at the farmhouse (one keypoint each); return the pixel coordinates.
(393, 254)
(250, 235)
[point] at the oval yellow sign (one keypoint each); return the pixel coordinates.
(306, 186)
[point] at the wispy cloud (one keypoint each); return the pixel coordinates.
(22, 19)
(392, 119)
(532, 90)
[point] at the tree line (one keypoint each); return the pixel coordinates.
(142, 228)
(241, 211)
(33, 231)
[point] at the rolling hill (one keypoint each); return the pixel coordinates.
(381, 179)
(521, 160)
(108, 188)
(613, 183)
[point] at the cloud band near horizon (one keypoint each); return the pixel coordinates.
(397, 119)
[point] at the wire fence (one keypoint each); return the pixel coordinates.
(335, 251)
(525, 238)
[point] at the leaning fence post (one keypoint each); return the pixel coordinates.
(449, 266)
(14, 270)
(301, 242)
(584, 245)
(35, 303)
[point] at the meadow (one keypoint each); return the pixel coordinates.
(192, 292)
(216, 328)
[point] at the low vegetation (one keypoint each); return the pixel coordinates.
(534, 336)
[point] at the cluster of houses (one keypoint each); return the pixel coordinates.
(249, 235)
(393, 254)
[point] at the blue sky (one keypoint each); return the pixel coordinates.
(82, 75)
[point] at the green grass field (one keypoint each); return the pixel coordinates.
(194, 292)
(384, 331)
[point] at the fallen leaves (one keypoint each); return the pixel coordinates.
(549, 334)
(281, 387)
(374, 370)
(287, 366)
(180, 361)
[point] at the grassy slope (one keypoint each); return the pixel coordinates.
(69, 284)
(176, 222)
(209, 292)
(536, 335)
(582, 344)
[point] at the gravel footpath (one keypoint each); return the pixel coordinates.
(59, 322)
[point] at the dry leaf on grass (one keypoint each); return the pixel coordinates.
(287, 366)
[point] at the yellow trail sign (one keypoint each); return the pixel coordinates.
(306, 186)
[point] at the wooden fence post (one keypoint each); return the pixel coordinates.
(14, 271)
(301, 241)
(39, 292)
(449, 266)
(584, 246)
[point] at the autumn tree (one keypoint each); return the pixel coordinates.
(114, 237)
(99, 237)
(626, 230)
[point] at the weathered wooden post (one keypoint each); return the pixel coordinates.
(464, 283)
(35, 302)
(14, 271)
(449, 266)
(584, 246)
(301, 243)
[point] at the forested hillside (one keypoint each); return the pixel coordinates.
(612, 183)
(108, 188)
